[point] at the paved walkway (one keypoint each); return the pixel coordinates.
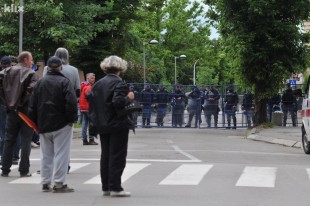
(287, 136)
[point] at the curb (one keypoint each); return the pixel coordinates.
(253, 135)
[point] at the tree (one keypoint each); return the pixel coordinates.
(264, 42)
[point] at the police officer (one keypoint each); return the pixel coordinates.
(146, 101)
(289, 104)
(211, 102)
(162, 99)
(231, 102)
(248, 107)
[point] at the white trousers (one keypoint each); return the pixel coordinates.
(55, 155)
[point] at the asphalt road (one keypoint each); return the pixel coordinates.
(165, 167)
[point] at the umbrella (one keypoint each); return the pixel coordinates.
(28, 121)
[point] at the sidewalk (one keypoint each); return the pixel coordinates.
(287, 136)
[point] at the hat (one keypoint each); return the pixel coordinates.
(54, 62)
(6, 61)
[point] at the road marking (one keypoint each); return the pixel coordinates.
(191, 157)
(36, 178)
(133, 160)
(130, 170)
(187, 174)
(257, 177)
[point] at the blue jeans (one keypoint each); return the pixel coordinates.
(161, 113)
(85, 125)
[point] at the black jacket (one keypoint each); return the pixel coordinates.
(53, 103)
(107, 102)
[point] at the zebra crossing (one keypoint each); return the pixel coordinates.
(183, 175)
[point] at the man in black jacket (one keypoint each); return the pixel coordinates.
(53, 108)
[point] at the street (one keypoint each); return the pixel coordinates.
(214, 167)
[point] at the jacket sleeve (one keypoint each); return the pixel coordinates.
(33, 106)
(33, 78)
(120, 99)
(71, 104)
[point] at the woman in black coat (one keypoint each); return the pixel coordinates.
(108, 99)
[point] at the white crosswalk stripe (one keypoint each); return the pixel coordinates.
(36, 178)
(258, 177)
(187, 174)
(184, 174)
(130, 170)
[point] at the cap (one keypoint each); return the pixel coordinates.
(5, 61)
(54, 62)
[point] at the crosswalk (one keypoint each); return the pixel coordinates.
(182, 175)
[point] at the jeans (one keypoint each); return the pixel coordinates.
(161, 113)
(209, 113)
(85, 125)
(146, 115)
(231, 114)
(15, 127)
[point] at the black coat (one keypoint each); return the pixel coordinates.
(53, 103)
(107, 102)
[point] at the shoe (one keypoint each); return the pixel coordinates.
(38, 171)
(92, 143)
(15, 161)
(234, 127)
(34, 145)
(106, 193)
(187, 126)
(227, 127)
(119, 194)
(85, 142)
(25, 175)
(62, 189)
(4, 174)
(46, 188)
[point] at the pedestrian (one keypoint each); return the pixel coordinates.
(147, 97)
(84, 106)
(289, 105)
(108, 99)
(248, 107)
(16, 85)
(53, 108)
(211, 105)
(193, 106)
(161, 99)
(231, 102)
(178, 106)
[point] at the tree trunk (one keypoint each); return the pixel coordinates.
(260, 106)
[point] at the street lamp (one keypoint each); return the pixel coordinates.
(21, 14)
(144, 44)
(194, 74)
(183, 56)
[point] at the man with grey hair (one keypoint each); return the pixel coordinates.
(68, 71)
(53, 108)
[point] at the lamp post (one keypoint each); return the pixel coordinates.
(183, 56)
(144, 66)
(21, 22)
(194, 73)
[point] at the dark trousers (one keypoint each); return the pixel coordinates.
(113, 159)
(15, 126)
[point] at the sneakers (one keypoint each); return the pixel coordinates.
(119, 194)
(62, 189)
(25, 174)
(34, 145)
(46, 188)
(92, 142)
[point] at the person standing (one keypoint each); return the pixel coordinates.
(108, 99)
(16, 85)
(162, 99)
(248, 107)
(146, 100)
(178, 106)
(84, 106)
(53, 108)
(288, 105)
(194, 106)
(211, 105)
(231, 103)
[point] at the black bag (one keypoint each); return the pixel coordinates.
(134, 107)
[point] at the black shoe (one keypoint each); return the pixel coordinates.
(4, 174)
(25, 174)
(92, 142)
(62, 189)
(187, 125)
(234, 127)
(85, 142)
(227, 127)
(46, 188)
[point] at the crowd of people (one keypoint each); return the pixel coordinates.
(51, 104)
